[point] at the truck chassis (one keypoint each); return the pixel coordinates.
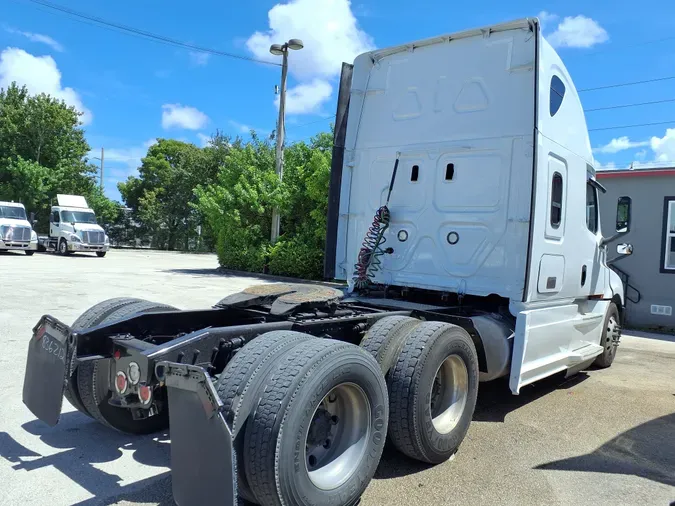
(180, 356)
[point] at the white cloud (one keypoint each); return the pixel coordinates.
(129, 157)
(204, 140)
(38, 37)
(40, 75)
(640, 155)
(240, 127)
(620, 144)
(577, 31)
(198, 58)
(545, 18)
(664, 147)
(307, 98)
(330, 34)
(182, 116)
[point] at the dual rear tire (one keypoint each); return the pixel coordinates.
(88, 388)
(309, 417)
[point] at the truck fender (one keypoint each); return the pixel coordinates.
(496, 334)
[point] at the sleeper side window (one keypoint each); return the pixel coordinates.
(557, 94)
(591, 208)
(556, 199)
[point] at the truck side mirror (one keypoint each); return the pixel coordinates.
(623, 215)
(34, 222)
(624, 249)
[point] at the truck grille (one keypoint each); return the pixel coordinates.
(15, 234)
(93, 237)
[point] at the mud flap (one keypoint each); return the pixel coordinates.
(203, 466)
(49, 364)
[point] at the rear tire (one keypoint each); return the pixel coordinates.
(324, 408)
(432, 392)
(90, 318)
(611, 333)
(239, 387)
(100, 254)
(386, 338)
(93, 384)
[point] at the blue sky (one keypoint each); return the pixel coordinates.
(134, 90)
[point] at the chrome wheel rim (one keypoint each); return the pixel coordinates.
(449, 393)
(337, 436)
(63, 247)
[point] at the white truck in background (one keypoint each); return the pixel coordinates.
(16, 232)
(73, 228)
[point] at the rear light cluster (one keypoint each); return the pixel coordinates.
(132, 377)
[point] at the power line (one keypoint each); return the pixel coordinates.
(630, 105)
(630, 46)
(623, 84)
(631, 126)
(145, 34)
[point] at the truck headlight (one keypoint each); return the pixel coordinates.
(75, 238)
(33, 236)
(107, 239)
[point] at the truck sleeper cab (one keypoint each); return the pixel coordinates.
(16, 232)
(73, 228)
(463, 217)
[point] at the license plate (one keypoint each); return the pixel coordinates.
(48, 367)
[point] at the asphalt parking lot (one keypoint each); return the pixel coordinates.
(601, 437)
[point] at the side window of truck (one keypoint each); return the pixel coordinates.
(55, 217)
(556, 199)
(557, 94)
(591, 208)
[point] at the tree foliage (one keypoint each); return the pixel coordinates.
(43, 152)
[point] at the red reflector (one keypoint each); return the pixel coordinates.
(145, 394)
(40, 332)
(121, 383)
(117, 354)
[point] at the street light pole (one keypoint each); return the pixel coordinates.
(281, 50)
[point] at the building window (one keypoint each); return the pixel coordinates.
(557, 94)
(668, 258)
(556, 199)
(591, 208)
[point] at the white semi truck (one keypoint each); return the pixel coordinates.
(484, 260)
(16, 232)
(73, 228)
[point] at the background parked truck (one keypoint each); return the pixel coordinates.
(16, 232)
(73, 228)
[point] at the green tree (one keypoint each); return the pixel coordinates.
(162, 196)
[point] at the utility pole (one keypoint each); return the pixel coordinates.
(101, 168)
(101, 159)
(281, 50)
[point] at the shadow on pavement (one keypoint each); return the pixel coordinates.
(85, 443)
(647, 451)
(651, 335)
(495, 399)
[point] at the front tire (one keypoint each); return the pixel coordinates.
(63, 247)
(100, 254)
(611, 333)
(319, 429)
(29, 253)
(432, 392)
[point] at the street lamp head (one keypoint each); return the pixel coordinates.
(277, 49)
(295, 44)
